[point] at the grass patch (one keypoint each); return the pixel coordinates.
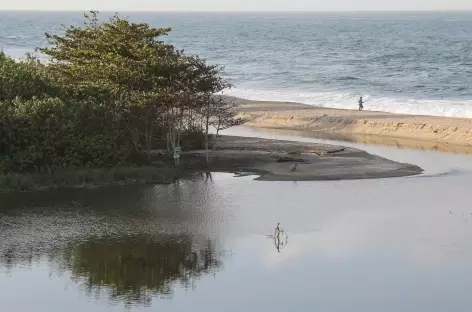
(87, 178)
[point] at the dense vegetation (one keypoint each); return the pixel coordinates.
(111, 93)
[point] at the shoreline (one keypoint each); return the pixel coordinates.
(448, 134)
(270, 160)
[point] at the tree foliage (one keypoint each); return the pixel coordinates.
(24, 80)
(111, 93)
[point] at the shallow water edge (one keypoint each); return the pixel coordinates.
(271, 160)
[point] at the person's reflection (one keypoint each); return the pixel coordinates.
(277, 243)
(280, 242)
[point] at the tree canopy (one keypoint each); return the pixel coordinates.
(111, 92)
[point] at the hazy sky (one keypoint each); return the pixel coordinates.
(249, 5)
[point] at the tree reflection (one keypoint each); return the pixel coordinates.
(129, 269)
(134, 269)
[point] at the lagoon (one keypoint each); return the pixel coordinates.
(397, 244)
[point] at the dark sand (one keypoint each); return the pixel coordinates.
(275, 160)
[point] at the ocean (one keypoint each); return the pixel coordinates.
(409, 62)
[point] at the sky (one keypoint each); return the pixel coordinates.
(238, 5)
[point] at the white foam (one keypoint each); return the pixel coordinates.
(447, 108)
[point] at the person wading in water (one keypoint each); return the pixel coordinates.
(361, 102)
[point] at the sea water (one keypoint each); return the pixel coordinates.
(410, 62)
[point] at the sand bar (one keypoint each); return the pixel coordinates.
(425, 132)
(274, 160)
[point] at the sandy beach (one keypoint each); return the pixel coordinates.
(413, 131)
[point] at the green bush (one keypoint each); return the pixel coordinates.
(26, 79)
(44, 135)
(84, 178)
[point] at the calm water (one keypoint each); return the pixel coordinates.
(418, 63)
(373, 245)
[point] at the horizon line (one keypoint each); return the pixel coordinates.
(237, 11)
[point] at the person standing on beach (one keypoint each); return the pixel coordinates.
(361, 102)
(176, 154)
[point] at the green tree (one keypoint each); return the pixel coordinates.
(25, 79)
(112, 92)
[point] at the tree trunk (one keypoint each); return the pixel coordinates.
(147, 138)
(207, 122)
(171, 129)
(213, 147)
(151, 127)
(218, 128)
(134, 133)
(180, 123)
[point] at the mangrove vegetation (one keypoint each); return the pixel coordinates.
(110, 94)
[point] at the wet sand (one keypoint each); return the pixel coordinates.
(275, 160)
(424, 132)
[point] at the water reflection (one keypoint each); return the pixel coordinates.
(354, 246)
(400, 143)
(280, 238)
(126, 245)
(280, 242)
(131, 269)
(135, 269)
